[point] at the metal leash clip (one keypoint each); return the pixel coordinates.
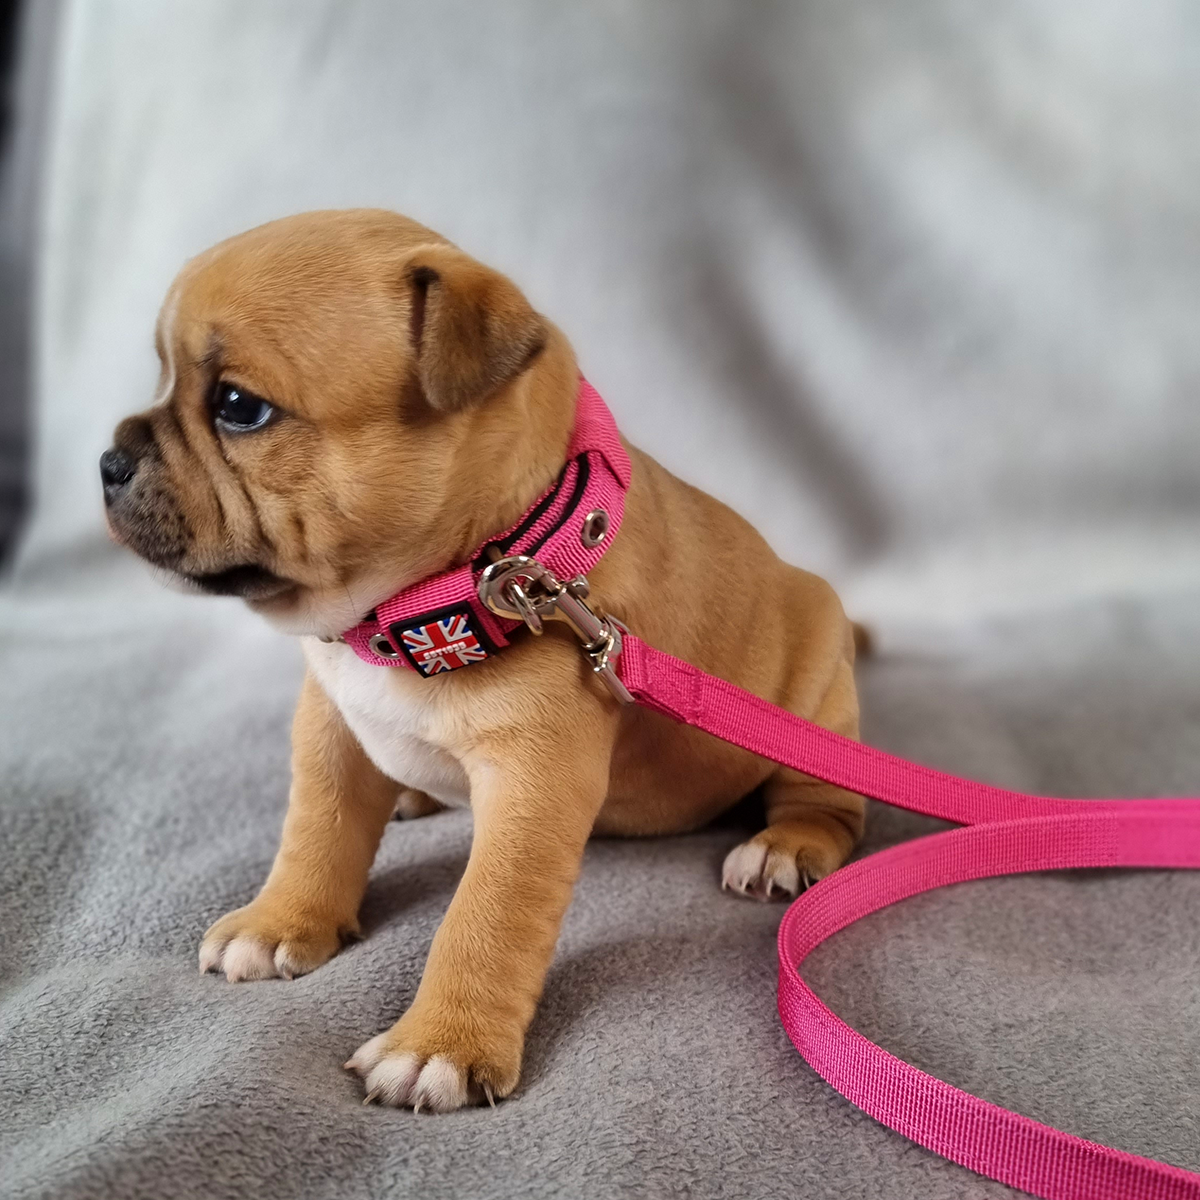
(522, 589)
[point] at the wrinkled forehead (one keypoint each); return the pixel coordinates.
(294, 307)
(269, 311)
(260, 285)
(300, 269)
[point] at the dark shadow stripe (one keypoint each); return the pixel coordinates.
(581, 482)
(505, 545)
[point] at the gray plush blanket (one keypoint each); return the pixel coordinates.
(916, 288)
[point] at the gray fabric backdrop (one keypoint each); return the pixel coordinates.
(915, 287)
(28, 43)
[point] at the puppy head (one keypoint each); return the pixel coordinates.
(347, 403)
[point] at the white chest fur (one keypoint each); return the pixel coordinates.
(392, 717)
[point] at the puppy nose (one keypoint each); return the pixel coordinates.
(116, 470)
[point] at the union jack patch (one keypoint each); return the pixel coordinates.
(443, 641)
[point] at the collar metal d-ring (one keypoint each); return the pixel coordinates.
(520, 588)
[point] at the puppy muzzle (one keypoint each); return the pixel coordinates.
(141, 509)
(144, 515)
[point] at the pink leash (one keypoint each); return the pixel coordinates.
(1005, 833)
(465, 615)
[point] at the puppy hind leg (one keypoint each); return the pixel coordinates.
(811, 826)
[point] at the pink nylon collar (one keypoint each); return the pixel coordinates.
(439, 623)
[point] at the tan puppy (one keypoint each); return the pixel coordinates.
(348, 404)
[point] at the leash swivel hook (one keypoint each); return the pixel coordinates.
(522, 589)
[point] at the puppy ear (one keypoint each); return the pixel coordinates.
(472, 331)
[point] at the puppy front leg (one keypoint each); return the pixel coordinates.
(535, 803)
(339, 806)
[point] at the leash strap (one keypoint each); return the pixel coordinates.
(535, 571)
(1004, 833)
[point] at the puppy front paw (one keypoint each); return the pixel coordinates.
(262, 942)
(437, 1065)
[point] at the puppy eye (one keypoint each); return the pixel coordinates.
(239, 411)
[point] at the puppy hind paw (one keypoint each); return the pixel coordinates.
(759, 872)
(776, 864)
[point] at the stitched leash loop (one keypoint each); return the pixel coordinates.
(1004, 833)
